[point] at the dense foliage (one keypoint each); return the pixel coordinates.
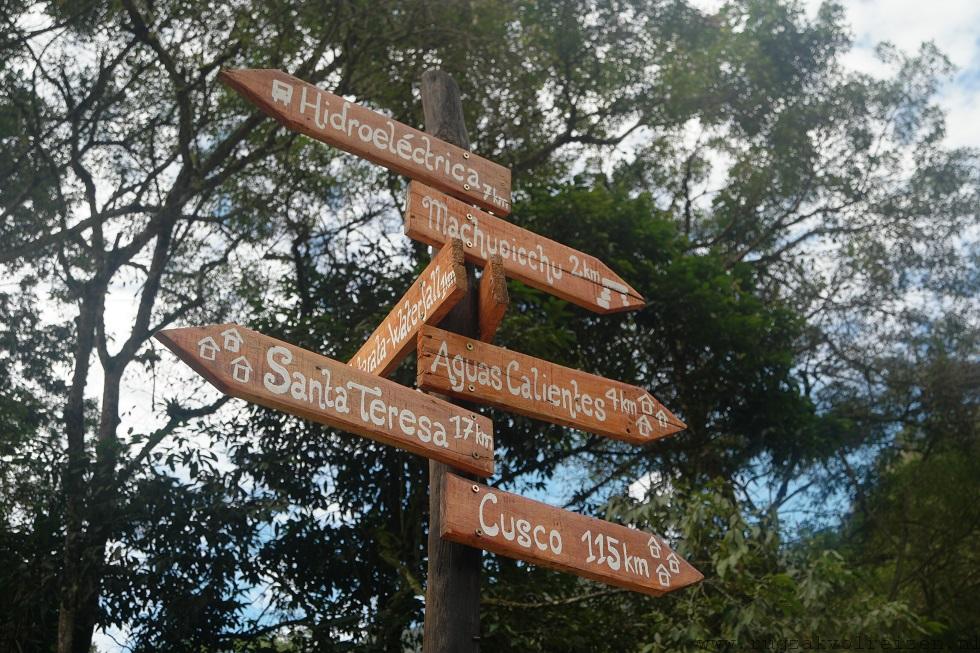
(805, 241)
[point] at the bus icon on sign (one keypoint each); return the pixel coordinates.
(282, 92)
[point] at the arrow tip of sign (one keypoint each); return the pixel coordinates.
(235, 78)
(166, 336)
(181, 341)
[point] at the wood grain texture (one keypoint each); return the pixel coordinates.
(269, 372)
(483, 373)
(494, 298)
(329, 118)
(433, 217)
(517, 527)
(434, 293)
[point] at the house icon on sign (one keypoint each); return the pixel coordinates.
(675, 565)
(233, 341)
(646, 404)
(654, 547)
(207, 348)
(663, 575)
(662, 418)
(645, 429)
(241, 369)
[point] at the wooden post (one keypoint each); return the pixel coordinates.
(452, 593)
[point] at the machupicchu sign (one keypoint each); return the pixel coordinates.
(433, 217)
(483, 373)
(440, 286)
(517, 527)
(303, 107)
(269, 372)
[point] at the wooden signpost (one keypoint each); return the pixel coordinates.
(440, 286)
(433, 218)
(477, 371)
(265, 371)
(517, 527)
(353, 128)
(464, 516)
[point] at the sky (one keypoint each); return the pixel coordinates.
(953, 25)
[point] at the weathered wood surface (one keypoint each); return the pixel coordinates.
(483, 373)
(493, 297)
(433, 217)
(434, 293)
(269, 372)
(517, 527)
(303, 107)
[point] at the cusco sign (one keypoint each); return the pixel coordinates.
(265, 371)
(356, 129)
(433, 218)
(476, 371)
(511, 525)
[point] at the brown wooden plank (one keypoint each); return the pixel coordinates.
(483, 373)
(435, 291)
(269, 372)
(493, 297)
(433, 217)
(329, 118)
(518, 527)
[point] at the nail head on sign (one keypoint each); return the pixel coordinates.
(469, 346)
(466, 186)
(475, 487)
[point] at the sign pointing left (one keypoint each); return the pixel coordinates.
(303, 107)
(269, 372)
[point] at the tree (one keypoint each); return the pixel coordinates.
(127, 169)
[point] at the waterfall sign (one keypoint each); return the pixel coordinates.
(434, 293)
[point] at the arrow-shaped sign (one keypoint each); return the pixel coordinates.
(356, 129)
(514, 526)
(269, 372)
(440, 286)
(433, 218)
(476, 371)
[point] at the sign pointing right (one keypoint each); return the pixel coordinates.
(433, 218)
(476, 371)
(514, 526)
